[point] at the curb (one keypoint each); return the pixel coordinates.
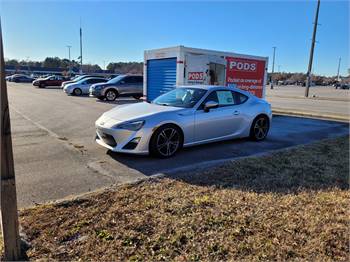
(282, 111)
(311, 98)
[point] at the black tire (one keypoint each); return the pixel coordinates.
(166, 141)
(77, 92)
(111, 95)
(260, 128)
(137, 97)
(42, 85)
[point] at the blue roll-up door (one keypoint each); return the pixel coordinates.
(161, 76)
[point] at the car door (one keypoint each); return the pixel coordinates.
(224, 121)
(138, 86)
(125, 85)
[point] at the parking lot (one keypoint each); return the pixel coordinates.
(56, 155)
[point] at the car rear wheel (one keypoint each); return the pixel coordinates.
(137, 97)
(260, 128)
(77, 92)
(111, 95)
(166, 141)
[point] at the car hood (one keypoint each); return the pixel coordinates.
(103, 84)
(138, 110)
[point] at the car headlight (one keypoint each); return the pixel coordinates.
(133, 126)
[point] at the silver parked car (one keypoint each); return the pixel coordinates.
(185, 116)
(122, 85)
(76, 79)
(82, 86)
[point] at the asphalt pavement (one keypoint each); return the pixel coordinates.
(56, 156)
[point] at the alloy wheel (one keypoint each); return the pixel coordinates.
(111, 96)
(168, 141)
(261, 128)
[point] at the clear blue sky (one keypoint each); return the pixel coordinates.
(121, 31)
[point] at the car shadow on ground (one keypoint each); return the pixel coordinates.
(286, 132)
(119, 101)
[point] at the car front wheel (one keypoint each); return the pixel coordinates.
(260, 128)
(42, 85)
(111, 95)
(77, 92)
(166, 141)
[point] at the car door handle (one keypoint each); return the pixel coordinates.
(236, 112)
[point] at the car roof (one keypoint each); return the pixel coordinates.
(213, 87)
(93, 77)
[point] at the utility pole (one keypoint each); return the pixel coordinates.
(273, 65)
(308, 74)
(8, 200)
(338, 68)
(81, 49)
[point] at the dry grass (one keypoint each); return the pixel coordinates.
(291, 205)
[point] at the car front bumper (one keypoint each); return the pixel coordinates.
(95, 92)
(119, 140)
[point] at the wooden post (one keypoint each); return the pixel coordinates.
(8, 200)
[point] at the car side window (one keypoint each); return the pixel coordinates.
(211, 97)
(239, 98)
(127, 80)
(225, 98)
(139, 79)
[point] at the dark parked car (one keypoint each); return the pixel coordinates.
(49, 81)
(122, 85)
(21, 79)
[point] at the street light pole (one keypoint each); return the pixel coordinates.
(70, 63)
(308, 74)
(69, 47)
(273, 66)
(81, 49)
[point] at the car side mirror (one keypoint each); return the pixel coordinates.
(210, 105)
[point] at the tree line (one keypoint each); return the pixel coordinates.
(300, 78)
(56, 62)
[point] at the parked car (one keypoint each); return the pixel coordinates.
(49, 81)
(182, 117)
(344, 86)
(20, 78)
(76, 79)
(82, 87)
(123, 85)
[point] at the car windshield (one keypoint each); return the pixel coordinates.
(115, 80)
(78, 78)
(180, 97)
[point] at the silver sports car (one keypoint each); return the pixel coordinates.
(185, 116)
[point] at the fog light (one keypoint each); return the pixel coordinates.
(133, 143)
